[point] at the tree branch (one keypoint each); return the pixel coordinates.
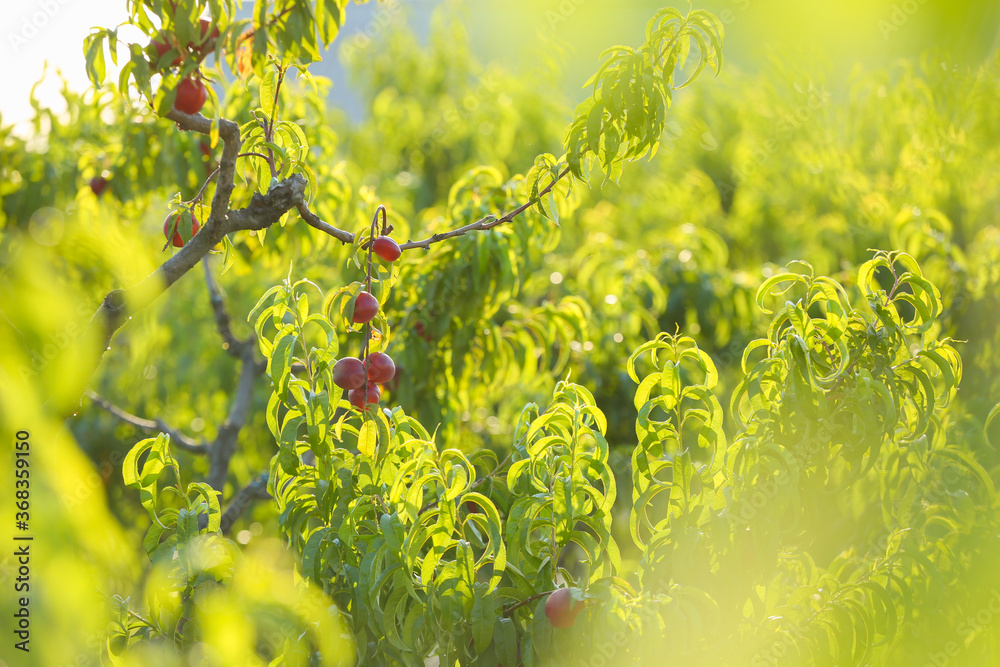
(225, 442)
(313, 221)
(222, 449)
(176, 437)
(245, 350)
(244, 498)
(118, 304)
(229, 132)
(262, 212)
(231, 344)
(517, 605)
(489, 222)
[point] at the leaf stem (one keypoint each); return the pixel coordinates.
(269, 128)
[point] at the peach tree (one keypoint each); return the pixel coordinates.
(694, 540)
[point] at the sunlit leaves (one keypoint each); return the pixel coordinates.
(991, 419)
(291, 36)
(545, 176)
(147, 477)
(848, 379)
(565, 486)
(632, 90)
(908, 288)
(678, 415)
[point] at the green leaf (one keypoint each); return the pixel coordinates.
(505, 639)
(94, 51)
(368, 438)
(268, 85)
(992, 417)
(483, 617)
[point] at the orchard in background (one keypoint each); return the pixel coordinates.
(475, 385)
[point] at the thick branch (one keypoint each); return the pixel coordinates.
(232, 345)
(229, 132)
(114, 310)
(176, 437)
(225, 442)
(244, 498)
(263, 211)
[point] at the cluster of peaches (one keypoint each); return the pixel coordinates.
(361, 378)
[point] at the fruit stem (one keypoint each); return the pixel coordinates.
(368, 287)
(517, 605)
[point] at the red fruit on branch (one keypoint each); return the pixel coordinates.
(349, 373)
(358, 397)
(561, 609)
(162, 44)
(386, 248)
(97, 184)
(180, 235)
(191, 96)
(365, 308)
(381, 368)
(209, 35)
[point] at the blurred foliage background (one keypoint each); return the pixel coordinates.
(834, 129)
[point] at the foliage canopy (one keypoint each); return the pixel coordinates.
(738, 397)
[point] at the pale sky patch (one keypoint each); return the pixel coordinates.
(33, 32)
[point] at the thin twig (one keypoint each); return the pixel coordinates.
(208, 180)
(475, 484)
(269, 128)
(517, 605)
(368, 288)
(176, 437)
(483, 224)
(130, 612)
